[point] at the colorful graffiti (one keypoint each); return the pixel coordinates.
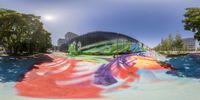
(114, 68)
(104, 47)
(107, 47)
(68, 77)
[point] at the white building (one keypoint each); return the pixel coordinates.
(190, 44)
(68, 37)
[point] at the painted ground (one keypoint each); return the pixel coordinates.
(138, 76)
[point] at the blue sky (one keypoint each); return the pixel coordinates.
(146, 20)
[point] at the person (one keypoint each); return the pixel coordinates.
(114, 56)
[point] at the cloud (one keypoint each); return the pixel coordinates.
(138, 18)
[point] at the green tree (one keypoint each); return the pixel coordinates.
(170, 44)
(22, 33)
(166, 43)
(158, 47)
(178, 42)
(163, 48)
(192, 21)
(170, 40)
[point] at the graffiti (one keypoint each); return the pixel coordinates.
(68, 77)
(119, 67)
(62, 78)
(137, 47)
(109, 47)
(73, 49)
(94, 74)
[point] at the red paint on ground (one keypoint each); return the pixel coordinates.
(44, 86)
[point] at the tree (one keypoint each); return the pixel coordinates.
(178, 42)
(162, 45)
(192, 21)
(158, 47)
(166, 43)
(170, 44)
(22, 33)
(170, 40)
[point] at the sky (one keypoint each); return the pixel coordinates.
(145, 20)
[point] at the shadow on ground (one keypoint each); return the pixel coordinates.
(13, 69)
(185, 66)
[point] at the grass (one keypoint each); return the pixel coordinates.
(173, 53)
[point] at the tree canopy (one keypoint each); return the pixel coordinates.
(171, 44)
(22, 33)
(192, 21)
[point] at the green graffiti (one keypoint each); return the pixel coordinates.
(73, 51)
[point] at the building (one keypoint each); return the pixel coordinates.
(60, 42)
(190, 44)
(100, 42)
(68, 37)
(100, 36)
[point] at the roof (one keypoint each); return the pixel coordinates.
(99, 36)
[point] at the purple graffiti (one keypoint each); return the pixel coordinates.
(104, 75)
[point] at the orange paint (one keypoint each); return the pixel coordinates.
(147, 63)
